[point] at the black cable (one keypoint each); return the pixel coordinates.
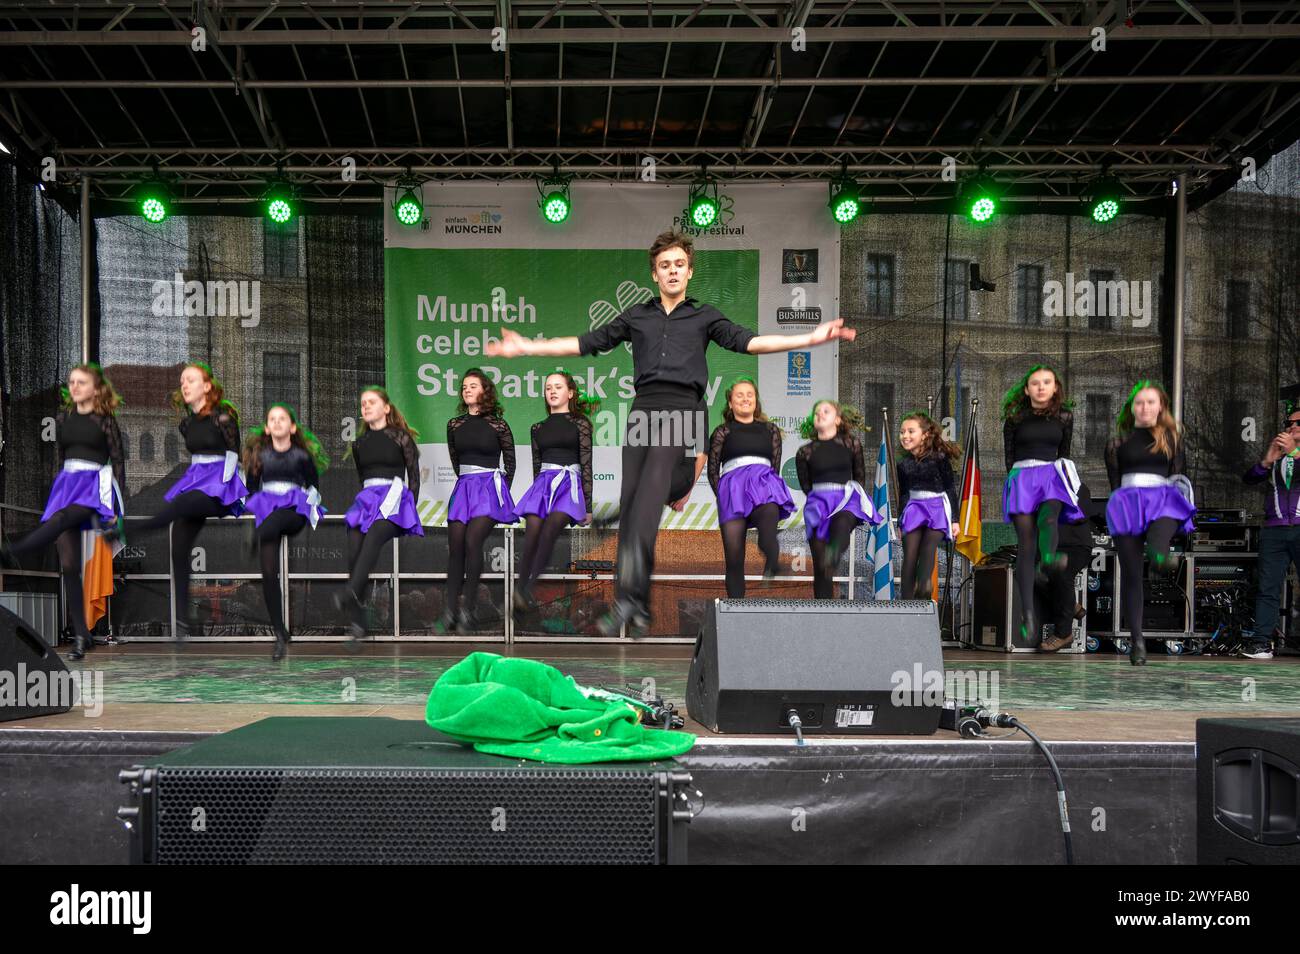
(1015, 723)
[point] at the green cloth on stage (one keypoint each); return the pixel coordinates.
(529, 710)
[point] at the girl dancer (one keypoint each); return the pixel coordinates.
(283, 462)
(1042, 484)
(561, 490)
(384, 509)
(832, 473)
(744, 472)
(1150, 498)
(87, 491)
(478, 441)
(929, 492)
(210, 487)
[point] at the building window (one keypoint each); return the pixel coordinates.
(958, 289)
(146, 447)
(281, 379)
(1238, 310)
(126, 445)
(880, 285)
(876, 395)
(1100, 317)
(1097, 424)
(1234, 449)
(171, 448)
(280, 249)
(1029, 294)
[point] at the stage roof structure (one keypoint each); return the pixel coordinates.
(219, 97)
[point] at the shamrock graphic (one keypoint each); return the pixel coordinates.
(627, 294)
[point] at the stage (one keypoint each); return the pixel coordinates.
(1123, 738)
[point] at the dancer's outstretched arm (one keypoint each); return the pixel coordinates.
(515, 345)
(822, 334)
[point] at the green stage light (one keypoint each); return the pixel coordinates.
(279, 202)
(1104, 200)
(279, 210)
(703, 207)
(982, 208)
(556, 202)
(555, 206)
(154, 202)
(846, 200)
(409, 209)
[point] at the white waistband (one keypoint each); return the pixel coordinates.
(738, 462)
(1144, 480)
(476, 469)
(281, 487)
(571, 468)
(925, 494)
(1033, 462)
(207, 458)
(380, 481)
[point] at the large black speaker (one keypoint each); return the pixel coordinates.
(848, 667)
(23, 654)
(372, 790)
(1248, 791)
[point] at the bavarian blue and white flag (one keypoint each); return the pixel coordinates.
(882, 535)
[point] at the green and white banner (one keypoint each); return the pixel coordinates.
(484, 259)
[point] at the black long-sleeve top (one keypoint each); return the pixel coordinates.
(932, 472)
(481, 441)
(732, 439)
(1132, 454)
(213, 433)
(834, 461)
(1031, 436)
(93, 437)
(388, 452)
(564, 439)
(668, 348)
(293, 466)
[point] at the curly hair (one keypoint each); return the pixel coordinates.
(851, 419)
(215, 401)
(106, 400)
(932, 439)
(259, 439)
(488, 405)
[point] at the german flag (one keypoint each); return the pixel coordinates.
(968, 509)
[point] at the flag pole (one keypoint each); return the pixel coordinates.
(889, 459)
(961, 496)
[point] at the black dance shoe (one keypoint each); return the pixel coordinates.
(466, 621)
(281, 644)
(80, 646)
(1137, 651)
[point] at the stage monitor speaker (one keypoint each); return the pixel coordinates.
(1248, 791)
(374, 790)
(848, 667)
(24, 655)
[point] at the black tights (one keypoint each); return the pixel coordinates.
(284, 522)
(465, 565)
(765, 518)
(919, 548)
(63, 529)
(539, 543)
(826, 554)
(1037, 536)
(1130, 551)
(364, 550)
(186, 513)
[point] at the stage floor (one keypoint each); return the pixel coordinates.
(213, 687)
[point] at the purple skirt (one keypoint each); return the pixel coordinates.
(78, 488)
(263, 503)
(1130, 510)
(1028, 488)
(541, 499)
(743, 489)
(475, 495)
(927, 512)
(209, 479)
(365, 510)
(820, 506)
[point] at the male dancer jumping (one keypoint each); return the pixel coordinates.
(669, 337)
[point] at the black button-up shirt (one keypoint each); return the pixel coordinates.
(668, 348)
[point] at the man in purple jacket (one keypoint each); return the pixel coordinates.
(1279, 539)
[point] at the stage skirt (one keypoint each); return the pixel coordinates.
(382, 498)
(280, 494)
(927, 508)
(216, 475)
(557, 487)
(749, 482)
(826, 500)
(1032, 483)
(481, 492)
(1144, 498)
(83, 483)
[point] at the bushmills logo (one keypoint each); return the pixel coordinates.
(799, 316)
(228, 299)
